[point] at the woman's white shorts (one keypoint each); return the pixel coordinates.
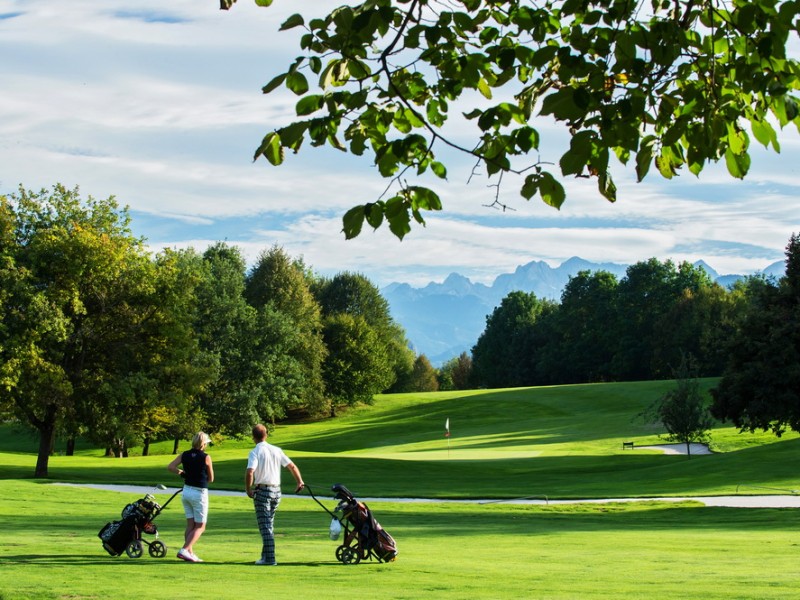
(195, 503)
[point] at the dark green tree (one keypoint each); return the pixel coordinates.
(683, 411)
(289, 316)
(226, 327)
(649, 339)
(354, 294)
(422, 379)
(586, 329)
(507, 352)
(663, 85)
(357, 367)
(760, 388)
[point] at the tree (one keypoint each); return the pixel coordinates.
(673, 85)
(456, 373)
(226, 327)
(356, 367)
(507, 352)
(682, 410)
(760, 388)
(288, 338)
(93, 330)
(422, 378)
(354, 294)
(586, 329)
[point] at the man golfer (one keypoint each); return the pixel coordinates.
(262, 481)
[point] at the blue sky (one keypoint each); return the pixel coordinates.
(159, 104)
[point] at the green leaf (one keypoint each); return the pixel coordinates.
(439, 169)
(530, 187)
(562, 105)
(484, 89)
(271, 148)
(274, 83)
(374, 213)
(293, 21)
(352, 222)
(297, 82)
(309, 104)
(572, 162)
(398, 216)
(263, 2)
(552, 191)
(738, 164)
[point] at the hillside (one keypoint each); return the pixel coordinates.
(558, 442)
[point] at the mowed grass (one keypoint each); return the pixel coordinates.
(559, 442)
(49, 550)
(555, 442)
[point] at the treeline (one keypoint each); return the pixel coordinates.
(639, 328)
(101, 339)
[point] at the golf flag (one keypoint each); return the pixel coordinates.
(447, 427)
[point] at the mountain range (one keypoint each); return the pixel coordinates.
(442, 320)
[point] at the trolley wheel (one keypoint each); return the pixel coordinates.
(157, 549)
(350, 556)
(134, 549)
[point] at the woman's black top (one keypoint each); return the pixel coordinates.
(194, 467)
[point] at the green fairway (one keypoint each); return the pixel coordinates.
(49, 550)
(556, 442)
(559, 442)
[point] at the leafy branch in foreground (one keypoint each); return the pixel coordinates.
(671, 84)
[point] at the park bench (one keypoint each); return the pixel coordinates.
(627, 445)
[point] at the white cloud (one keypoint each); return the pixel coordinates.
(160, 104)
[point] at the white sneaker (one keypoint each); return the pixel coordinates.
(184, 554)
(196, 558)
(263, 562)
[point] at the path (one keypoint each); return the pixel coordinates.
(738, 501)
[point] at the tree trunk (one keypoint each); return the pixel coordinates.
(146, 446)
(175, 446)
(688, 450)
(47, 441)
(109, 451)
(71, 445)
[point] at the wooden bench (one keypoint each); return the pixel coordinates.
(627, 445)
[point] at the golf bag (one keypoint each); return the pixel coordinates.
(364, 538)
(125, 535)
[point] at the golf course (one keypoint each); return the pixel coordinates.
(469, 538)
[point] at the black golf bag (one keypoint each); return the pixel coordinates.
(125, 535)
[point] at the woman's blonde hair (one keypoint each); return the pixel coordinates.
(200, 440)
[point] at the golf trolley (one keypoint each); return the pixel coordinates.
(364, 538)
(138, 517)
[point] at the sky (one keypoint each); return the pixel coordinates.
(159, 104)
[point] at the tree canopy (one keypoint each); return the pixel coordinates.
(661, 85)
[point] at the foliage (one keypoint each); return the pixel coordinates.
(760, 388)
(95, 334)
(456, 373)
(356, 367)
(671, 85)
(225, 325)
(682, 411)
(421, 379)
(506, 353)
(289, 348)
(354, 294)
